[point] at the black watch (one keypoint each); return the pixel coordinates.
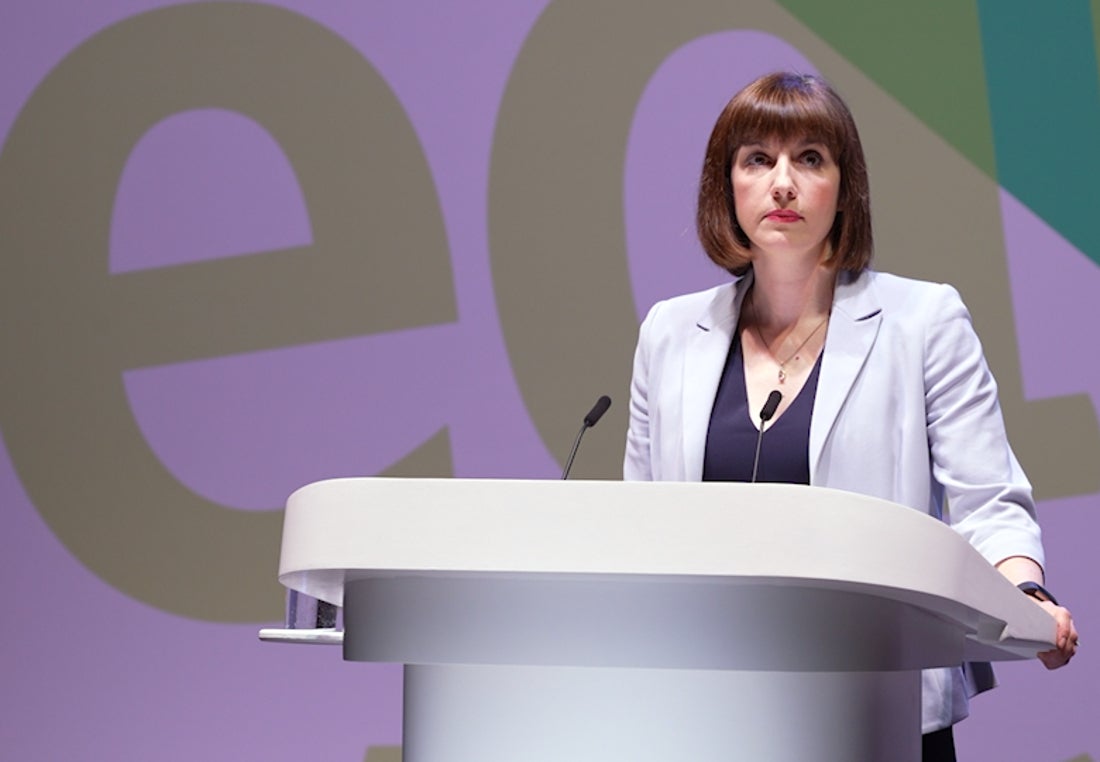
(1037, 591)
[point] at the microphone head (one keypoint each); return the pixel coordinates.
(597, 411)
(770, 406)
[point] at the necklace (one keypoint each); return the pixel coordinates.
(782, 376)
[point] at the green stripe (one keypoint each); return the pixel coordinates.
(926, 54)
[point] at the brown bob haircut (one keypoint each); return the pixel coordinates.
(785, 106)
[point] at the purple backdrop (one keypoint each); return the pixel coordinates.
(88, 673)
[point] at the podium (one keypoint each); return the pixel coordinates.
(589, 620)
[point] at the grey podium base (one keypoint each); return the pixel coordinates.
(582, 714)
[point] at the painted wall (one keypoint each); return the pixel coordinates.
(246, 246)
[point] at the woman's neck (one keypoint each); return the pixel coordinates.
(783, 297)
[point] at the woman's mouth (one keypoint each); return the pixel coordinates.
(783, 215)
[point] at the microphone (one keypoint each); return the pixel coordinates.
(590, 420)
(597, 411)
(766, 414)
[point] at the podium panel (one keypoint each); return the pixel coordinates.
(547, 714)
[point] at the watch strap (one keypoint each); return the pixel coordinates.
(1037, 591)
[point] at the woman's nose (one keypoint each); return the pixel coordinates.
(783, 183)
(780, 192)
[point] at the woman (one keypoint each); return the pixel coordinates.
(885, 390)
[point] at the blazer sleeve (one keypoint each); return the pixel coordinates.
(637, 462)
(985, 495)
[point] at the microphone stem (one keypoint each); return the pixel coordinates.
(756, 457)
(573, 452)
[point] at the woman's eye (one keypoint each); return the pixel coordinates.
(756, 159)
(813, 158)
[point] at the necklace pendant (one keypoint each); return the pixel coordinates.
(782, 375)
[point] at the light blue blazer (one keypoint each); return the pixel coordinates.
(906, 410)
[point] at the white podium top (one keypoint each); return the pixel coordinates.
(778, 536)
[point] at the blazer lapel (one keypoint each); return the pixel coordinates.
(704, 360)
(856, 318)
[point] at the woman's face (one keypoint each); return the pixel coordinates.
(785, 193)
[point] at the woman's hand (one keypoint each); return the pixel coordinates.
(1022, 569)
(1065, 637)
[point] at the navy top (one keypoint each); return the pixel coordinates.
(731, 437)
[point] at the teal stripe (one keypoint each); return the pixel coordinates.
(1044, 100)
